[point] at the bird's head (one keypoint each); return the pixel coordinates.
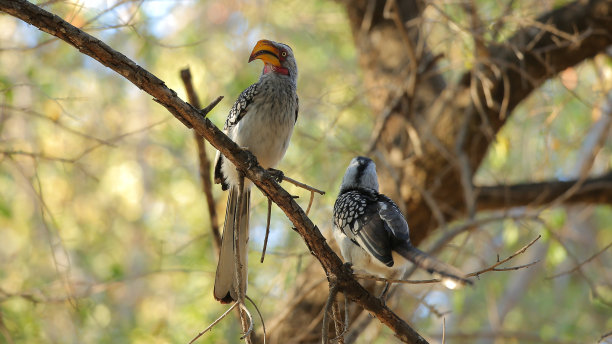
(277, 58)
(361, 172)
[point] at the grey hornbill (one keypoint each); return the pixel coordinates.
(373, 234)
(260, 121)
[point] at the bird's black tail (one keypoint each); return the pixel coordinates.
(450, 275)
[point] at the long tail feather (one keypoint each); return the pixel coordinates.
(226, 283)
(432, 265)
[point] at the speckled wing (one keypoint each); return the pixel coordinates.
(393, 219)
(356, 213)
(240, 106)
(236, 113)
(395, 224)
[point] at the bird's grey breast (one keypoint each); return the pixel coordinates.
(267, 126)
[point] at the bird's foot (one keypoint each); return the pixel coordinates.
(349, 267)
(278, 175)
(251, 158)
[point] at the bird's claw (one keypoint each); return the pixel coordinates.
(349, 267)
(251, 159)
(278, 175)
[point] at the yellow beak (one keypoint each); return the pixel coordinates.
(264, 50)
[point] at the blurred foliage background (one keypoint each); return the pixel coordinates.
(103, 227)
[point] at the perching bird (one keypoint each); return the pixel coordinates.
(372, 232)
(260, 121)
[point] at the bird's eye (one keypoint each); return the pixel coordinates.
(284, 54)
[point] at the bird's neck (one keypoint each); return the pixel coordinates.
(273, 69)
(357, 187)
(277, 78)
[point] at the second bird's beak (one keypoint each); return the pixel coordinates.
(266, 51)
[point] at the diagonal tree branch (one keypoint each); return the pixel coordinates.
(243, 160)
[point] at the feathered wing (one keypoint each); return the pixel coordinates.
(356, 214)
(396, 225)
(237, 112)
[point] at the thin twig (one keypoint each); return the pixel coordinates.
(204, 112)
(333, 290)
(431, 308)
(214, 323)
(494, 266)
(307, 331)
(399, 23)
(249, 319)
(381, 279)
(444, 330)
(310, 202)
(593, 143)
(581, 264)
(340, 337)
(295, 301)
(246, 320)
(581, 273)
(339, 326)
(260, 317)
(604, 336)
(302, 185)
(382, 120)
(236, 242)
(265, 245)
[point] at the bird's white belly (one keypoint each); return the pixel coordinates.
(266, 136)
(364, 263)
